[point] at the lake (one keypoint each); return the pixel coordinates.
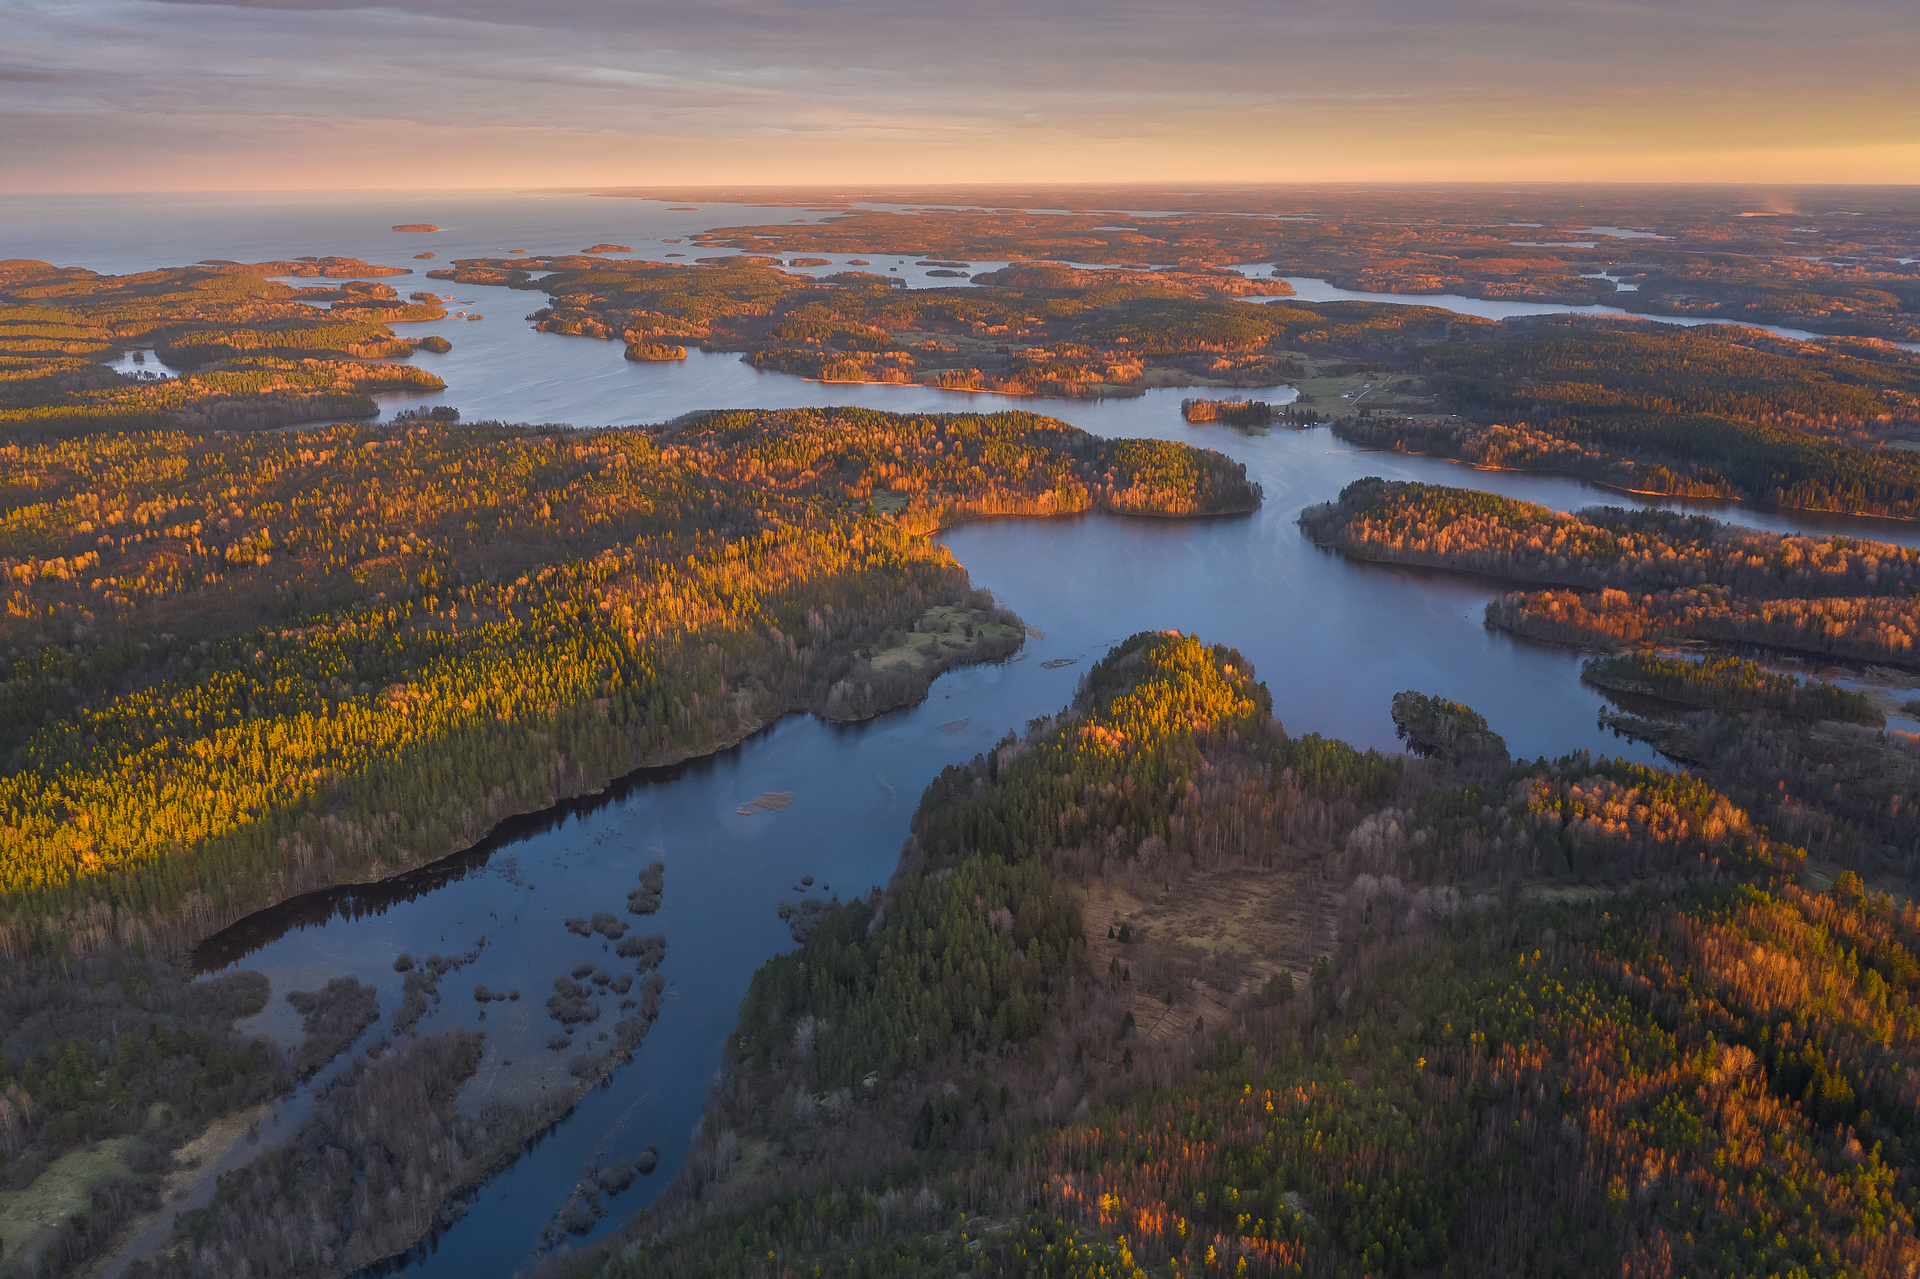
(1333, 640)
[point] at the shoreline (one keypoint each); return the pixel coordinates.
(508, 827)
(544, 1118)
(1524, 586)
(1124, 393)
(1651, 493)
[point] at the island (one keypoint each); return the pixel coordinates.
(1641, 576)
(1630, 584)
(1845, 276)
(416, 226)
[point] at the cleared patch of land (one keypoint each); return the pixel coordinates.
(197, 1168)
(947, 635)
(1219, 936)
(1334, 386)
(29, 1218)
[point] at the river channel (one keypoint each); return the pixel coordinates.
(1333, 640)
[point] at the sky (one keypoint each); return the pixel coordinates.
(134, 95)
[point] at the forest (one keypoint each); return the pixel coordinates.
(263, 659)
(252, 352)
(1158, 988)
(1729, 684)
(1559, 366)
(1579, 1016)
(1882, 631)
(1641, 576)
(1723, 412)
(1686, 257)
(1802, 753)
(1603, 547)
(240, 664)
(108, 1062)
(1030, 329)
(1717, 411)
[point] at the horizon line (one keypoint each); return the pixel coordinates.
(1001, 184)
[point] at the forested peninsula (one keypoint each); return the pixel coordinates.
(1451, 999)
(1642, 576)
(1405, 522)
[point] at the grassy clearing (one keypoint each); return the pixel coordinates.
(1160, 375)
(1222, 936)
(1336, 394)
(28, 1218)
(944, 636)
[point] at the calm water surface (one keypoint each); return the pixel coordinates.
(1310, 289)
(1333, 640)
